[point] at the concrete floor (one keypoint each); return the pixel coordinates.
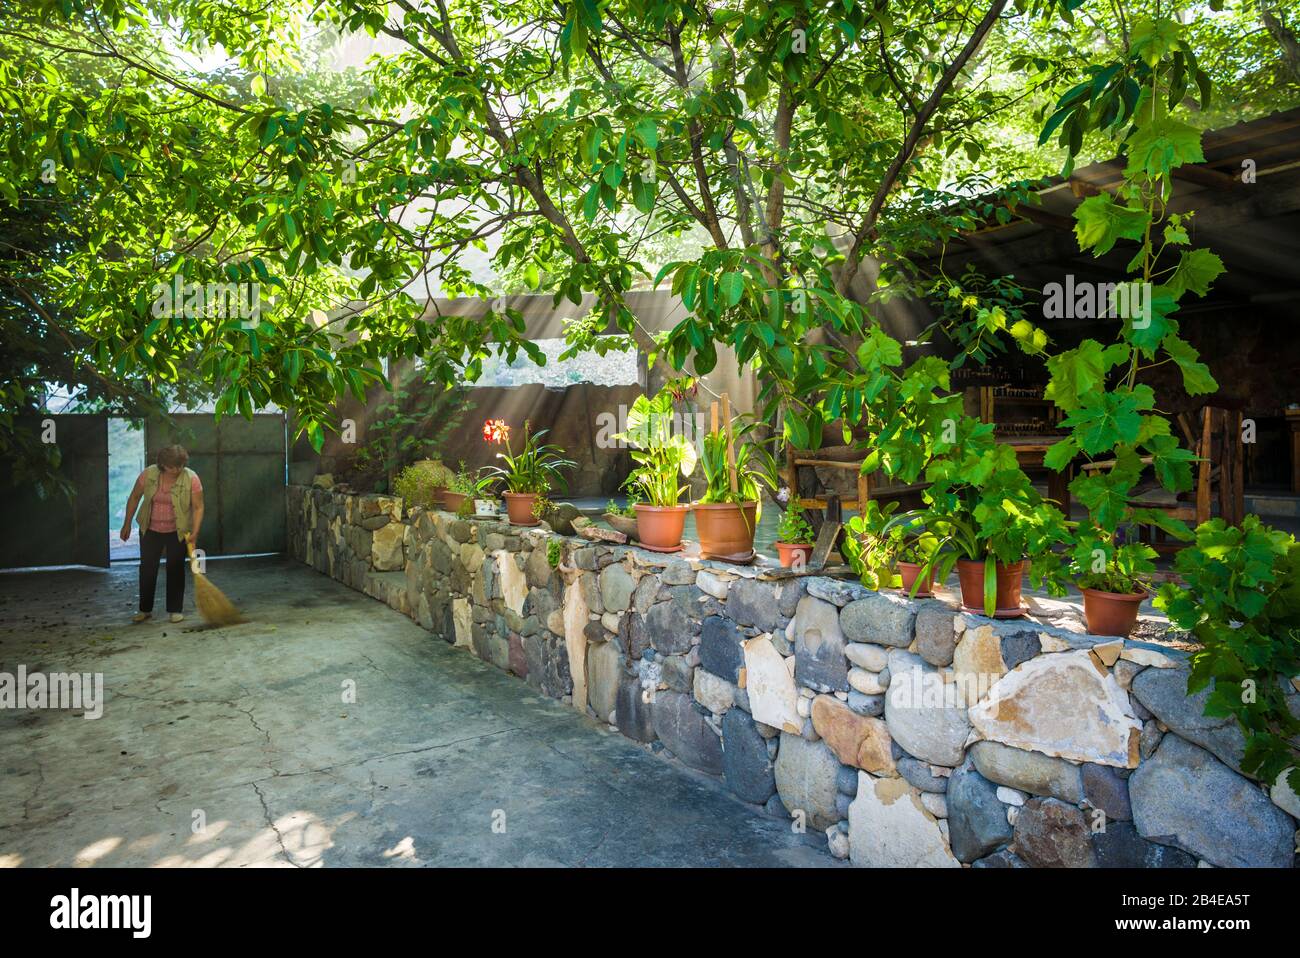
(246, 728)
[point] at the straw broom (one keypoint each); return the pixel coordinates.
(212, 603)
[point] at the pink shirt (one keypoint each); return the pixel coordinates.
(162, 516)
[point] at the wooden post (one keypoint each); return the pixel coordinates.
(1204, 451)
(731, 451)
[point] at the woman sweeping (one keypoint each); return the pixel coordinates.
(170, 499)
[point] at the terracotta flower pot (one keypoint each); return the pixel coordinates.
(659, 528)
(439, 497)
(908, 571)
(451, 501)
(519, 507)
(970, 575)
(1111, 613)
(726, 530)
(787, 552)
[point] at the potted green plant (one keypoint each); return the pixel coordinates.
(420, 484)
(991, 524)
(1114, 580)
(664, 457)
(528, 474)
(463, 485)
(726, 515)
(794, 536)
(621, 518)
(891, 551)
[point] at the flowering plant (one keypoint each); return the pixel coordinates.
(536, 467)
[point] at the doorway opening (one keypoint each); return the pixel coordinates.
(126, 460)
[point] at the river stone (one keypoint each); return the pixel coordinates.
(1030, 772)
(769, 683)
(1284, 796)
(645, 593)
(882, 618)
(872, 658)
(1024, 710)
(678, 572)
(855, 739)
(686, 732)
(1164, 693)
(679, 674)
(836, 591)
(634, 716)
(1120, 846)
(922, 712)
(669, 623)
(750, 602)
(746, 766)
(890, 828)
(721, 651)
(715, 694)
(919, 775)
(1104, 790)
(616, 588)
(872, 705)
(605, 664)
(936, 637)
(1052, 834)
(805, 779)
(819, 646)
(710, 583)
(977, 820)
(1185, 797)
(977, 662)
(1002, 858)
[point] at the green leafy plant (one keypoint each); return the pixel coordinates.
(754, 467)
(535, 468)
(628, 511)
(472, 484)
(876, 540)
(1124, 569)
(794, 527)
(663, 456)
(1240, 598)
(417, 483)
(554, 553)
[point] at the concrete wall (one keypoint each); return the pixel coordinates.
(904, 732)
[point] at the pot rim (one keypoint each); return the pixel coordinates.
(725, 505)
(520, 495)
(1140, 596)
(796, 545)
(680, 507)
(1019, 564)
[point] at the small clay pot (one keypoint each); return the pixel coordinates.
(908, 572)
(659, 528)
(1111, 613)
(451, 501)
(519, 507)
(970, 575)
(788, 551)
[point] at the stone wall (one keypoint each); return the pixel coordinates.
(904, 732)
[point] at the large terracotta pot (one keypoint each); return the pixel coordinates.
(519, 507)
(970, 575)
(908, 572)
(1111, 613)
(659, 528)
(726, 530)
(451, 500)
(788, 551)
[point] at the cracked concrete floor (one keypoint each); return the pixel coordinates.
(244, 731)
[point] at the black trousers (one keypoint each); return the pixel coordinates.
(152, 547)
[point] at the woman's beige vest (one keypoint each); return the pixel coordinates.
(181, 490)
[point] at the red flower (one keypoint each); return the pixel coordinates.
(496, 430)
